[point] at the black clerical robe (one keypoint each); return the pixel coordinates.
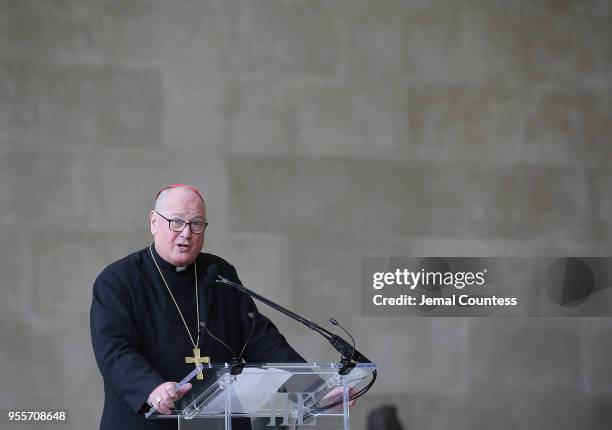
(140, 341)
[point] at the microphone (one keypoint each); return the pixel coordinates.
(238, 365)
(237, 362)
(349, 361)
(347, 351)
(203, 324)
(336, 323)
(211, 273)
(252, 316)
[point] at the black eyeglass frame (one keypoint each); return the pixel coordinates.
(186, 224)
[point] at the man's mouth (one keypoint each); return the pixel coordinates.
(183, 246)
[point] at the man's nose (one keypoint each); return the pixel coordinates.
(186, 231)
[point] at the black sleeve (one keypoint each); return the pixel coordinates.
(116, 341)
(266, 344)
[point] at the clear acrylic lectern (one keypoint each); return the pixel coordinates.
(271, 395)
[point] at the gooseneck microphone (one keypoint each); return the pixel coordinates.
(205, 326)
(252, 317)
(237, 363)
(336, 323)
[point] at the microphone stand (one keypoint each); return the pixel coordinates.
(350, 356)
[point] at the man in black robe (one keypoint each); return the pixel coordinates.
(144, 316)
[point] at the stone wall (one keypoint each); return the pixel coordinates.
(320, 132)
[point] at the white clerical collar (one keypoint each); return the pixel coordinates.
(180, 268)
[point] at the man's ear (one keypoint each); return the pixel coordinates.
(153, 222)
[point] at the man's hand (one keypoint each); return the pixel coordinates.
(163, 397)
(335, 395)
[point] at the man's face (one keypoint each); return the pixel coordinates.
(178, 248)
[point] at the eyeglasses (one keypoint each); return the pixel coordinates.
(178, 225)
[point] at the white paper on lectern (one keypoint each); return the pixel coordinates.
(244, 390)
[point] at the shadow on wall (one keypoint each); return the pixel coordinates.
(384, 418)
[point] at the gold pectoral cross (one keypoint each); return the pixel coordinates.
(196, 360)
